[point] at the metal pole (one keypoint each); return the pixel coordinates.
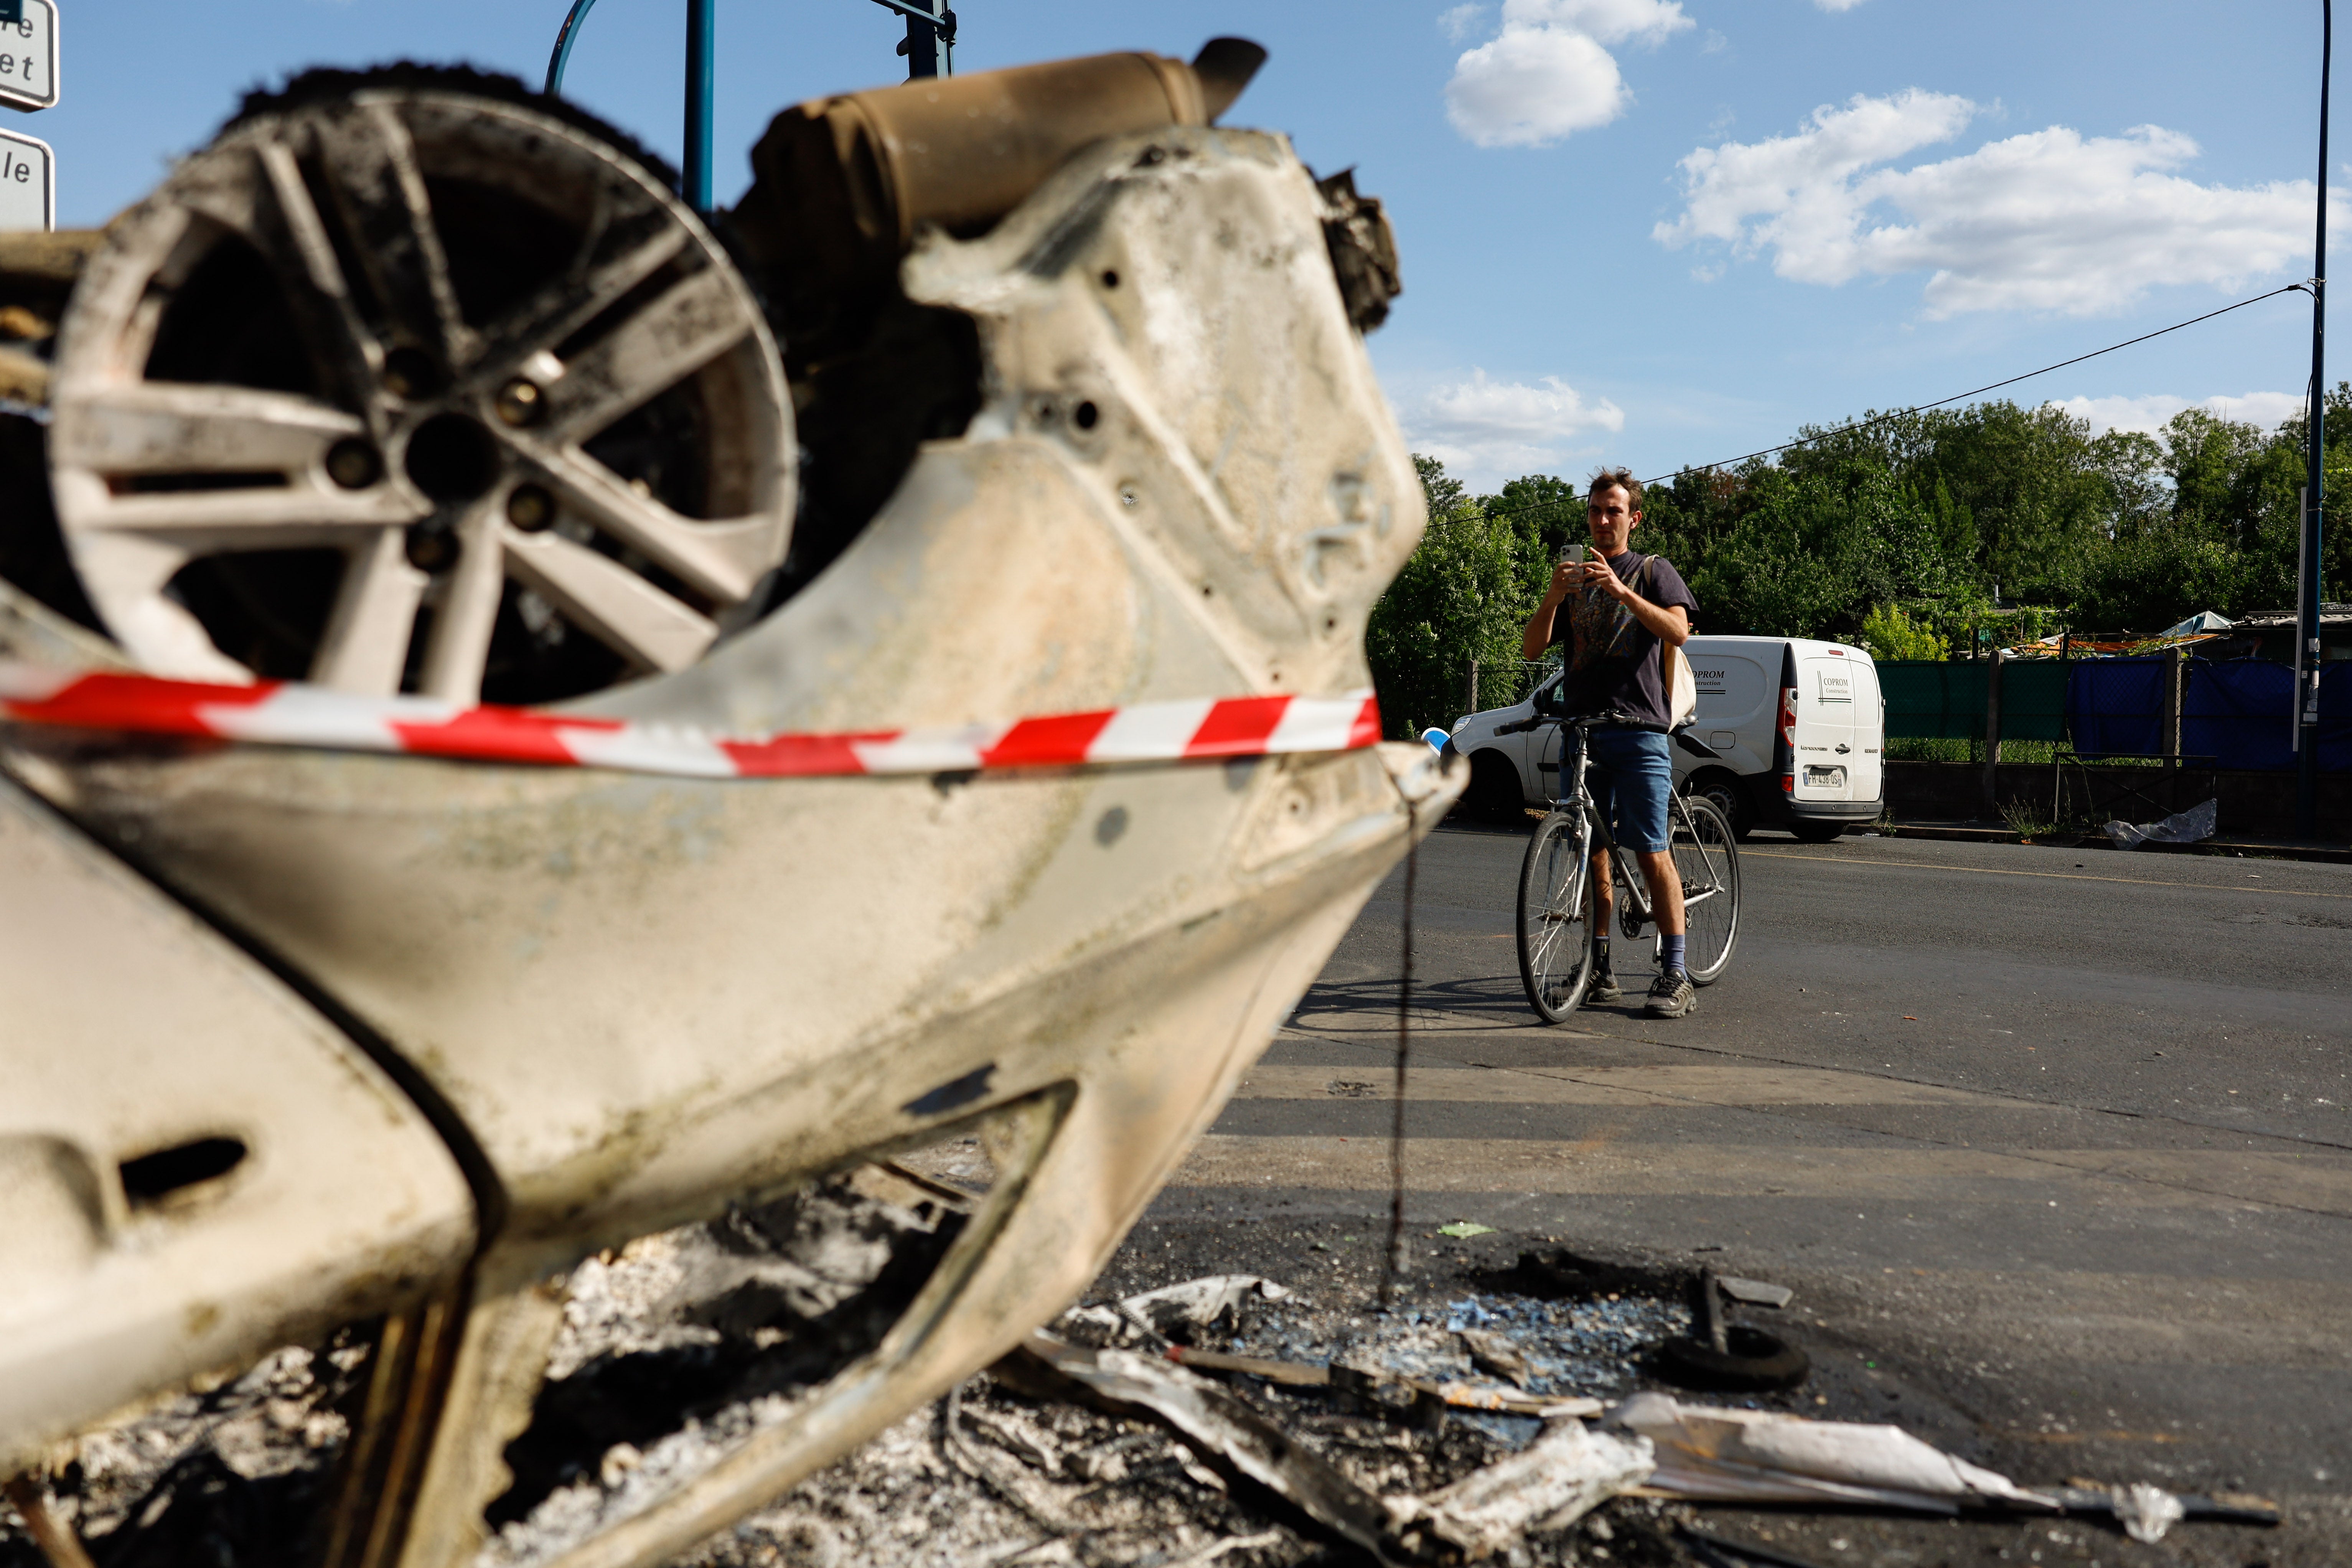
(565, 37)
(1991, 783)
(2307, 610)
(701, 68)
(923, 41)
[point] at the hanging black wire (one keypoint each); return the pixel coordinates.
(1392, 1260)
(1993, 386)
(1922, 407)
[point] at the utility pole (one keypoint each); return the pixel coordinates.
(2307, 584)
(701, 68)
(922, 44)
(929, 45)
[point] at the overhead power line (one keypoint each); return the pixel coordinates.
(1956, 397)
(1995, 386)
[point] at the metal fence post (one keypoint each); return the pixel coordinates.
(1474, 688)
(2174, 664)
(1992, 735)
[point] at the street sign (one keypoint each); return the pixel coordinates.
(29, 55)
(29, 190)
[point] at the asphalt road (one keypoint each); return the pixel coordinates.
(2053, 1145)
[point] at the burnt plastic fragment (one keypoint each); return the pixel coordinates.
(1363, 250)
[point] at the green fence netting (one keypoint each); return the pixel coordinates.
(1939, 700)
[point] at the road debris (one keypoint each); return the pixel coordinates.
(2146, 1512)
(1372, 1379)
(1722, 1355)
(1714, 1455)
(2199, 822)
(1550, 1483)
(1207, 1415)
(1203, 1303)
(1494, 1353)
(1755, 1292)
(57, 1541)
(1463, 1229)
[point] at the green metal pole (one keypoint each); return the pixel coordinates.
(2308, 595)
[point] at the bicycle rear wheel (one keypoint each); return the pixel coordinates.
(1707, 859)
(1555, 915)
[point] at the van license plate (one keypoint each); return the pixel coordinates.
(1828, 778)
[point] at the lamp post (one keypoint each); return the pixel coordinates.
(2307, 584)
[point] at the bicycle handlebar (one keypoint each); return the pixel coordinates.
(1582, 720)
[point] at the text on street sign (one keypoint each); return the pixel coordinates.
(28, 182)
(29, 55)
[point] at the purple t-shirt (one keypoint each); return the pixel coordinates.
(1613, 660)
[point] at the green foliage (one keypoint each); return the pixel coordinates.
(1936, 511)
(1996, 522)
(1461, 596)
(1888, 634)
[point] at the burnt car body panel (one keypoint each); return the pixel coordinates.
(640, 1000)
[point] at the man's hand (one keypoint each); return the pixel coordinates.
(1598, 574)
(1564, 582)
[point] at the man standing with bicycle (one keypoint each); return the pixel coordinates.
(1622, 611)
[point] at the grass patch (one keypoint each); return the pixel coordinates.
(1926, 749)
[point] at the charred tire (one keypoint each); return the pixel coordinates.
(1757, 1363)
(1494, 793)
(1725, 790)
(1817, 832)
(403, 385)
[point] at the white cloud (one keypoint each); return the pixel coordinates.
(1837, 5)
(1456, 23)
(1549, 72)
(1489, 431)
(2049, 220)
(2147, 414)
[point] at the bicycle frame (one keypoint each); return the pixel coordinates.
(1636, 912)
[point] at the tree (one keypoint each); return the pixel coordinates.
(1460, 598)
(1888, 633)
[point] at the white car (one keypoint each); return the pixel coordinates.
(1790, 733)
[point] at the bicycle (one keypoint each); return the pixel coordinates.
(1556, 930)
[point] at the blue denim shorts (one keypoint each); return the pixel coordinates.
(1635, 776)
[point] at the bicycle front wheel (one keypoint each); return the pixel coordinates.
(1555, 915)
(1707, 859)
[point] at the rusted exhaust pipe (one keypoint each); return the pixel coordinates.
(855, 175)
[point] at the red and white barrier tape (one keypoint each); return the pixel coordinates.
(284, 714)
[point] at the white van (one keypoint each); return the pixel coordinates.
(1790, 733)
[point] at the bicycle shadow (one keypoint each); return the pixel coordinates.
(1477, 1004)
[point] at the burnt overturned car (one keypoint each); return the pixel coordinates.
(529, 720)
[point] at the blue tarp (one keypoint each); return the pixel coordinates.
(2116, 706)
(2239, 713)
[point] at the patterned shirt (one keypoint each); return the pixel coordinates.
(1613, 664)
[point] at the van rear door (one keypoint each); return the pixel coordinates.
(1825, 727)
(1867, 769)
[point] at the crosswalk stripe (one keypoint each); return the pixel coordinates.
(1607, 1165)
(1704, 1084)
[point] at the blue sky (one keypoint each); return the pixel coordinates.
(1642, 231)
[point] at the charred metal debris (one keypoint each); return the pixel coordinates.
(1224, 1419)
